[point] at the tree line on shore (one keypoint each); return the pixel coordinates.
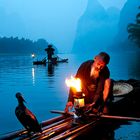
(26, 46)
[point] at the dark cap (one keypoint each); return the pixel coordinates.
(50, 45)
(103, 56)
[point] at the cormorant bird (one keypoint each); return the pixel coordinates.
(25, 116)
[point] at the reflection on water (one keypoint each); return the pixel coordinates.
(50, 69)
(44, 86)
(33, 75)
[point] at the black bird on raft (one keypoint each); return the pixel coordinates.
(25, 116)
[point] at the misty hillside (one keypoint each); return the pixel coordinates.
(127, 16)
(96, 28)
(100, 29)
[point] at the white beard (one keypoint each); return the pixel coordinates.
(94, 73)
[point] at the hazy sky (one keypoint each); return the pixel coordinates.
(53, 20)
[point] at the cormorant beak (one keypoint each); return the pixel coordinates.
(23, 100)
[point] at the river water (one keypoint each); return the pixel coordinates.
(44, 88)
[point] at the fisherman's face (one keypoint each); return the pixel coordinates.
(99, 64)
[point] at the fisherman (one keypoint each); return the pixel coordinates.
(96, 83)
(50, 52)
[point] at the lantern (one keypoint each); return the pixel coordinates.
(79, 101)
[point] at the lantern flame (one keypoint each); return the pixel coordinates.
(74, 82)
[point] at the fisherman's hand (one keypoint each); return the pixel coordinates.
(69, 105)
(89, 107)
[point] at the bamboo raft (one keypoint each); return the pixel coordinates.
(64, 126)
(53, 61)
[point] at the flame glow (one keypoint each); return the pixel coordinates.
(74, 82)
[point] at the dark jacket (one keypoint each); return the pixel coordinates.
(92, 88)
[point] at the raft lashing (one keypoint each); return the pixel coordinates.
(50, 128)
(60, 127)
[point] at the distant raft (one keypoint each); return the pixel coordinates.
(54, 60)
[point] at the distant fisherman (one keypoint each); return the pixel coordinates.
(50, 52)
